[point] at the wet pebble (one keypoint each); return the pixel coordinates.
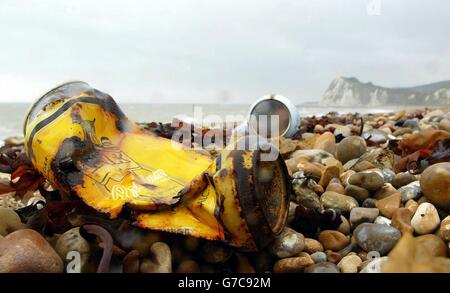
(445, 228)
(358, 193)
(319, 256)
(26, 251)
(312, 246)
(435, 182)
(363, 215)
(71, 240)
(288, 243)
(160, 260)
(389, 205)
(323, 267)
(376, 237)
(334, 200)
(425, 219)
(349, 148)
(369, 203)
(402, 179)
(401, 219)
(370, 181)
(306, 197)
(9, 221)
(344, 227)
(349, 264)
(293, 264)
(410, 191)
(333, 240)
(382, 221)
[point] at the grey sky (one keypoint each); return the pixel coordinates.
(221, 50)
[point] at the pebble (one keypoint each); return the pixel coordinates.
(306, 197)
(335, 185)
(291, 213)
(402, 179)
(160, 261)
(287, 244)
(71, 240)
(345, 176)
(410, 191)
(388, 175)
(349, 148)
(425, 219)
(363, 215)
(411, 205)
(323, 267)
(389, 205)
(369, 203)
(312, 246)
(333, 257)
(401, 219)
(334, 200)
(293, 264)
(131, 262)
(9, 221)
(333, 240)
(362, 166)
(385, 190)
(215, 252)
(376, 237)
(329, 173)
(370, 181)
(358, 193)
(435, 184)
(432, 245)
(26, 251)
(319, 257)
(382, 221)
(188, 267)
(374, 265)
(326, 142)
(344, 227)
(349, 264)
(445, 229)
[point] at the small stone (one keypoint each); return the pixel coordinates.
(287, 244)
(362, 166)
(214, 252)
(369, 203)
(336, 186)
(432, 244)
(306, 197)
(435, 184)
(363, 215)
(319, 257)
(425, 219)
(344, 227)
(333, 240)
(293, 264)
(374, 265)
(333, 257)
(131, 263)
(349, 264)
(412, 205)
(160, 261)
(291, 213)
(371, 181)
(401, 219)
(388, 175)
(358, 193)
(410, 191)
(329, 173)
(326, 142)
(375, 237)
(345, 176)
(402, 179)
(389, 205)
(333, 200)
(445, 228)
(71, 240)
(312, 246)
(310, 169)
(349, 148)
(287, 146)
(188, 267)
(26, 251)
(318, 128)
(385, 190)
(382, 221)
(323, 267)
(9, 221)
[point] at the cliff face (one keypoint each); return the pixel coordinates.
(345, 91)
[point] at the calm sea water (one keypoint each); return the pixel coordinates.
(12, 115)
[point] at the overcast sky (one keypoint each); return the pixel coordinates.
(221, 50)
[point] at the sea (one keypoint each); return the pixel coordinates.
(12, 115)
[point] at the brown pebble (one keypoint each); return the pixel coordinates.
(333, 257)
(412, 205)
(333, 240)
(293, 264)
(130, 262)
(188, 267)
(401, 219)
(312, 245)
(388, 205)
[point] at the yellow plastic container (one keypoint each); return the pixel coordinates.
(80, 140)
